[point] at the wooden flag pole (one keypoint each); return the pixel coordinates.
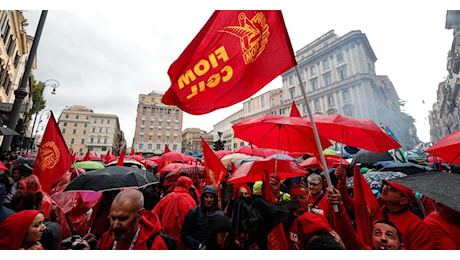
(315, 131)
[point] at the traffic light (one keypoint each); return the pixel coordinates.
(215, 145)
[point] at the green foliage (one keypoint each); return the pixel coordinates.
(39, 103)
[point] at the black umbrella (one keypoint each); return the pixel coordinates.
(442, 187)
(407, 168)
(7, 131)
(112, 178)
(365, 156)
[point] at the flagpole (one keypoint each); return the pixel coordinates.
(315, 131)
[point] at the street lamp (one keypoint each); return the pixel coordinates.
(52, 83)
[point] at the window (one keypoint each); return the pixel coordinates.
(317, 108)
(174, 147)
(325, 65)
(348, 112)
(302, 75)
(346, 97)
(330, 101)
(108, 121)
(91, 140)
(291, 80)
(66, 116)
(65, 123)
(273, 102)
(149, 147)
(95, 120)
(142, 130)
(161, 111)
(77, 116)
(75, 124)
(98, 140)
(241, 144)
(158, 146)
(94, 129)
(167, 139)
(141, 146)
(343, 74)
(82, 141)
(105, 140)
(85, 125)
(102, 121)
(292, 93)
(74, 131)
(327, 79)
(87, 117)
(100, 129)
(63, 131)
(72, 141)
(262, 101)
(314, 85)
(312, 70)
(281, 111)
(339, 57)
(249, 106)
(281, 99)
(84, 131)
(304, 109)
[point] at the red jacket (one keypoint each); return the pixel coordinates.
(173, 208)
(446, 235)
(150, 225)
(415, 233)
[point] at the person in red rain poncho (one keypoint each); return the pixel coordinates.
(444, 224)
(131, 226)
(51, 210)
(22, 230)
(173, 208)
(396, 199)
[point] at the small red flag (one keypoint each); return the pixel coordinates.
(167, 149)
(53, 157)
(215, 170)
(121, 159)
(107, 157)
(366, 206)
(133, 152)
(87, 156)
(234, 55)
(294, 110)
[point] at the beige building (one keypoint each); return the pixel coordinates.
(191, 141)
(444, 117)
(15, 46)
(157, 125)
(84, 130)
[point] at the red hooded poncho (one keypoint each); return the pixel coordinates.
(14, 228)
(173, 208)
(150, 224)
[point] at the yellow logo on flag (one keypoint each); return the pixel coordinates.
(49, 155)
(253, 34)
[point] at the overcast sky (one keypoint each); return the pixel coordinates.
(104, 56)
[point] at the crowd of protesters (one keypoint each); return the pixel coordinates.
(187, 215)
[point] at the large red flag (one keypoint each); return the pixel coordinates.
(294, 110)
(215, 170)
(53, 157)
(366, 206)
(234, 55)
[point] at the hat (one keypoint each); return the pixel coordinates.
(314, 178)
(310, 224)
(408, 193)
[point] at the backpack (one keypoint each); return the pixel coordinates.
(170, 241)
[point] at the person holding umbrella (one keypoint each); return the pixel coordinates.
(444, 224)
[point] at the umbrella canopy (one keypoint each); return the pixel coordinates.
(128, 162)
(254, 171)
(292, 134)
(171, 167)
(407, 168)
(251, 150)
(229, 158)
(375, 179)
(248, 159)
(88, 165)
(222, 153)
(173, 157)
(112, 178)
(448, 148)
(332, 161)
(7, 131)
(439, 186)
(360, 133)
(281, 156)
(365, 156)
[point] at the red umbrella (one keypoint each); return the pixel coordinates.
(171, 167)
(360, 133)
(173, 157)
(448, 148)
(251, 150)
(292, 134)
(254, 171)
(332, 161)
(222, 153)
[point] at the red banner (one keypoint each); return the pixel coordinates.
(215, 170)
(53, 157)
(234, 55)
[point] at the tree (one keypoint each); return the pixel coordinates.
(39, 103)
